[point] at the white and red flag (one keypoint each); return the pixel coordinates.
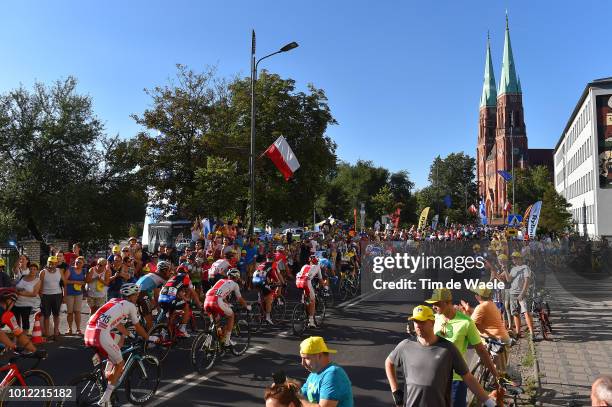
(507, 206)
(473, 209)
(282, 156)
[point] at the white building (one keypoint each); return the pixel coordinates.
(583, 160)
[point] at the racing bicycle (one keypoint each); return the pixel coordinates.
(29, 378)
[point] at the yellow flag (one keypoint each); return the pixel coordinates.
(423, 218)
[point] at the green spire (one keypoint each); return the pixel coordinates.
(508, 81)
(489, 91)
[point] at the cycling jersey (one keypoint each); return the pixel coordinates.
(261, 274)
(98, 333)
(216, 297)
(7, 318)
(169, 292)
(218, 267)
(150, 281)
(325, 263)
(304, 279)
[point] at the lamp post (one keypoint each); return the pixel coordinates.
(254, 64)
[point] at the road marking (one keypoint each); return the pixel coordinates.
(171, 394)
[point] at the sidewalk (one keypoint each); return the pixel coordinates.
(581, 348)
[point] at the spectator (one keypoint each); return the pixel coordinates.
(28, 289)
(327, 382)
(283, 395)
(5, 279)
(519, 277)
(601, 391)
(251, 254)
(459, 329)
(51, 295)
(428, 364)
(97, 281)
(75, 283)
(70, 257)
(119, 275)
(20, 267)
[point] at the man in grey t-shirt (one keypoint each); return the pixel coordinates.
(428, 363)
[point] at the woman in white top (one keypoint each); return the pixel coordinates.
(28, 288)
(21, 267)
(51, 295)
(97, 279)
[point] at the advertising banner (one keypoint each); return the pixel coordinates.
(534, 217)
(423, 218)
(604, 140)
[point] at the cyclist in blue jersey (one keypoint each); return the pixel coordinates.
(149, 285)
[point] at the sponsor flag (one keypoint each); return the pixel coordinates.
(507, 206)
(446, 222)
(534, 217)
(396, 218)
(505, 175)
(483, 213)
(473, 209)
(526, 216)
(423, 218)
(434, 221)
(283, 158)
(448, 201)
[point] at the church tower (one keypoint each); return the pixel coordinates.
(510, 131)
(487, 122)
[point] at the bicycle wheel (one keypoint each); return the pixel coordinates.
(241, 335)
(204, 351)
(88, 390)
(343, 290)
(31, 378)
(482, 375)
(160, 349)
(256, 316)
(299, 319)
(279, 309)
(142, 380)
(543, 325)
(319, 316)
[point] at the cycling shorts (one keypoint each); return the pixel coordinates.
(217, 306)
(264, 289)
(105, 343)
(306, 285)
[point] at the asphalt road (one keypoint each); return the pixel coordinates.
(361, 330)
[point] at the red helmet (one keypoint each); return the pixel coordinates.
(182, 269)
(314, 259)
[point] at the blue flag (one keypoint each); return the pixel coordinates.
(448, 201)
(505, 175)
(483, 213)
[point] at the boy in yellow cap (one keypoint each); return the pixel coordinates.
(326, 381)
(428, 363)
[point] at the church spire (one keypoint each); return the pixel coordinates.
(489, 90)
(508, 81)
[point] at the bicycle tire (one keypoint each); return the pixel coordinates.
(88, 388)
(299, 319)
(203, 355)
(542, 322)
(320, 308)
(159, 350)
(241, 335)
(481, 373)
(44, 380)
(256, 316)
(279, 309)
(156, 370)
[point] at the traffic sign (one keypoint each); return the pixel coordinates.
(514, 220)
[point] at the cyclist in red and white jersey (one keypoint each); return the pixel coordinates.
(303, 280)
(216, 301)
(98, 334)
(220, 267)
(8, 297)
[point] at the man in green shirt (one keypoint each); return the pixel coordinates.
(459, 329)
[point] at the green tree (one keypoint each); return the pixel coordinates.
(384, 202)
(554, 215)
(531, 183)
(216, 188)
(59, 173)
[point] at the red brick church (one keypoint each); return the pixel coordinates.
(501, 125)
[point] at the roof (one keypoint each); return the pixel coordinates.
(508, 82)
(602, 82)
(489, 90)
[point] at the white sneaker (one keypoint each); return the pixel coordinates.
(183, 333)
(104, 403)
(230, 343)
(311, 324)
(269, 321)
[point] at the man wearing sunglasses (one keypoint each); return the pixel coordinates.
(459, 329)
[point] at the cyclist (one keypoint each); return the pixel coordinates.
(150, 285)
(216, 303)
(8, 297)
(220, 267)
(264, 276)
(176, 294)
(98, 334)
(281, 261)
(304, 279)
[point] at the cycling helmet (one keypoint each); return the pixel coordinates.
(8, 294)
(162, 266)
(314, 260)
(233, 274)
(279, 248)
(128, 289)
(182, 269)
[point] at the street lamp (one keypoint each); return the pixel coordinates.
(254, 64)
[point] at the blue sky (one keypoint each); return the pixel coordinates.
(403, 77)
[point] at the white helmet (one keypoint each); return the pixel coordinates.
(128, 289)
(233, 274)
(279, 248)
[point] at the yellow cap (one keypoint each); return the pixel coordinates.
(422, 313)
(51, 259)
(516, 254)
(34, 264)
(476, 247)
(483, 292)
(502, 257)
(116, 249)
(314, 345)
(440, 294)
(2, 263)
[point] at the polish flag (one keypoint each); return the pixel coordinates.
(473, 209)
(507, 206)
(282, 156)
